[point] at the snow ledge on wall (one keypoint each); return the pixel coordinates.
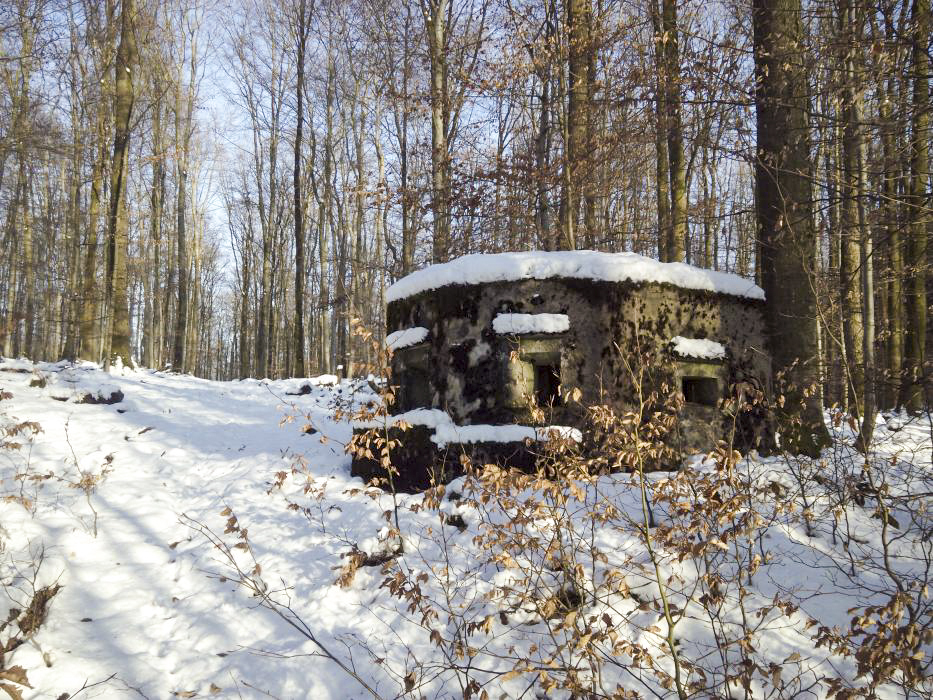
(577, 264)
(516, 324)
(406, 337)
(463, 434)
(447, 432)
(698, 348)
(428, 417)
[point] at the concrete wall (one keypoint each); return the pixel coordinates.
(464, 367)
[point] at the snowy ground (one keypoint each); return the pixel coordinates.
(148, 608)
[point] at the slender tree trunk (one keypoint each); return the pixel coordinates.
(435, 21)
(325, 221)
(300, 368)
(74, 208)
(919, 207)
(246, 256)
(677, 241)
(543, 142)
(662, 161)
(577, 117)
(157, 205)
(401, 128)
(894, 345)
(869, 401)
(850, 267)
(74, 263)
(181, 241)
(183, 129)
(24, 338)
(13, 216)
(592, 171)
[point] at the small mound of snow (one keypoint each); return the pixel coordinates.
(516, 324)
(698, 348)
(83, 385)
(406, 337)
(20, 366)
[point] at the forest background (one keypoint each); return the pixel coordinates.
(225, 187)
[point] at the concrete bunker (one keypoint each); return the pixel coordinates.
(480, 340)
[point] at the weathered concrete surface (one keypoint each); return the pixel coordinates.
(480, 377)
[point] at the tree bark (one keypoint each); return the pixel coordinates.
(662, 161)
(300, 367)
(851, 233)
(676, 243)
(894, 345)
(577, 118)
(183, 129)
(918, 211)
(124, 70)
(784, 219)
(435, 23)
(157, 205)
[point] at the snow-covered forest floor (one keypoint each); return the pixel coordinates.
(118, 503)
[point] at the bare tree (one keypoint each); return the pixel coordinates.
(784, 217)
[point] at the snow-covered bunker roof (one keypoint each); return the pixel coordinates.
(481, 268)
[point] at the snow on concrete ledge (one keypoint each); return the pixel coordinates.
(428, 417)
(406, 337)
(698, 348)
(530, 323)
(462, 434)
(447, 432)
(578, 264)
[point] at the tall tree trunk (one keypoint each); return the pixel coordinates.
(662, 161)
(12, 224)
(124, 69)
(74, 263)
(435, 22)
(850, 266)
(300, 368)
(24, 338)
(91, 303)
(592, 175)
(157, 205)
(246, 255)
(543, 139)
(74, 206)
(784, 218)
(915, 374)
(577, 118)
(869, 402)
(401, 128)
(183, 129)
(894, 345)
(181, 241)
(325, 221)
(676, 244)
